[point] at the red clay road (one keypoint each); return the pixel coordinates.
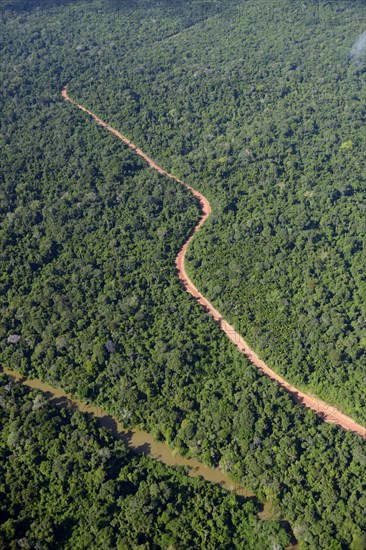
(324, 410)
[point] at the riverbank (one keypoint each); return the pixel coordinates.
(137, 440)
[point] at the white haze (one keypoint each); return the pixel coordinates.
(359, 47)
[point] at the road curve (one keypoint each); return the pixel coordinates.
(327, 412)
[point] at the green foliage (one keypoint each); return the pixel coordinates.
(286, 108)
(89, 236)
(65, 483)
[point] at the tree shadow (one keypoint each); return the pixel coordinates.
(144, 449)
(62, 402)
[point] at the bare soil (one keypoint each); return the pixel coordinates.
(326, 411)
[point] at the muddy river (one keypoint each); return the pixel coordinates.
(136, 440)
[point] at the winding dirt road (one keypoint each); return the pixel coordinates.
(327, 412)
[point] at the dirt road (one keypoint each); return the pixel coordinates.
(324, 410)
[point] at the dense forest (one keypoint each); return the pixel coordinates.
(263, 113)
(65, 483)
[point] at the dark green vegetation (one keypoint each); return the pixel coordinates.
(264, 111)
(89, 236)
(65, 483)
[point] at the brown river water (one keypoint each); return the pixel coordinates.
(136, 440)
(143, 443)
